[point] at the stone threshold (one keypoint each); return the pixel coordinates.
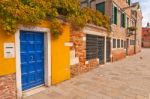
(33, 91)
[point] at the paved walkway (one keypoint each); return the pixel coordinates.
(125, 79)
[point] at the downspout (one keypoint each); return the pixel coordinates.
(135, 35)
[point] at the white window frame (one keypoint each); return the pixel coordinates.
(116, 44)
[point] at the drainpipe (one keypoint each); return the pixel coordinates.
(135, 35)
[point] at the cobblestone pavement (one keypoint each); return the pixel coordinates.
(125, 79)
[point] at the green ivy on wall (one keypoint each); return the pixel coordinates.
(31, 12)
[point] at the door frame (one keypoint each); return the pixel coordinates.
(47, 56)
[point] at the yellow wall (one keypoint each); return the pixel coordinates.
(61, 58)
(60, 55)
(7, 66)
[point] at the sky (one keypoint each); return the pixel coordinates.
(145, 7)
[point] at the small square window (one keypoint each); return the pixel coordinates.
(125, 44)
(118, 43)
(121, 43)
(114, 43)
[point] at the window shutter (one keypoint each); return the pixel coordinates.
(115, 15)
(91, 46)
(114, 43)
(129, 2)
(118, 43)
(101, 7)
(112, 19)
(123, 20)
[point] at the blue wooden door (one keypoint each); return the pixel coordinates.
(32, 59)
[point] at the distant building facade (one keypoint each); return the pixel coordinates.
(92, 46)
(123, 14)
(146, 36)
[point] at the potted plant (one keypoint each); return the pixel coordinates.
(132, 28)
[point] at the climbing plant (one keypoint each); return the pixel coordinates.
(31, 12)
(27, 12)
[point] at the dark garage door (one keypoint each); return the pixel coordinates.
(95, 47)
(101, 42)
(108, 48)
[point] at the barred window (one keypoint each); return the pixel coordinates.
(91, 46)
(118, 43)
(94, 47)
(125, 44)
(122, 44)
(132, 42)
(114, 43)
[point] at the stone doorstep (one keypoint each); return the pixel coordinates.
(34, 91)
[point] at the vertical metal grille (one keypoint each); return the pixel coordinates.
(95, 47)
(101, 42)
(108, 49)
(91, 47)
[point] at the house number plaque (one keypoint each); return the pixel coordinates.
(9, 50)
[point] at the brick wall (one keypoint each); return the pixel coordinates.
(138, 49)
(8, 87)
(118, 54)
(146, 44)
(79, 68)
(80, 51)
(118, 32)
(131, 50)
(146, 37)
